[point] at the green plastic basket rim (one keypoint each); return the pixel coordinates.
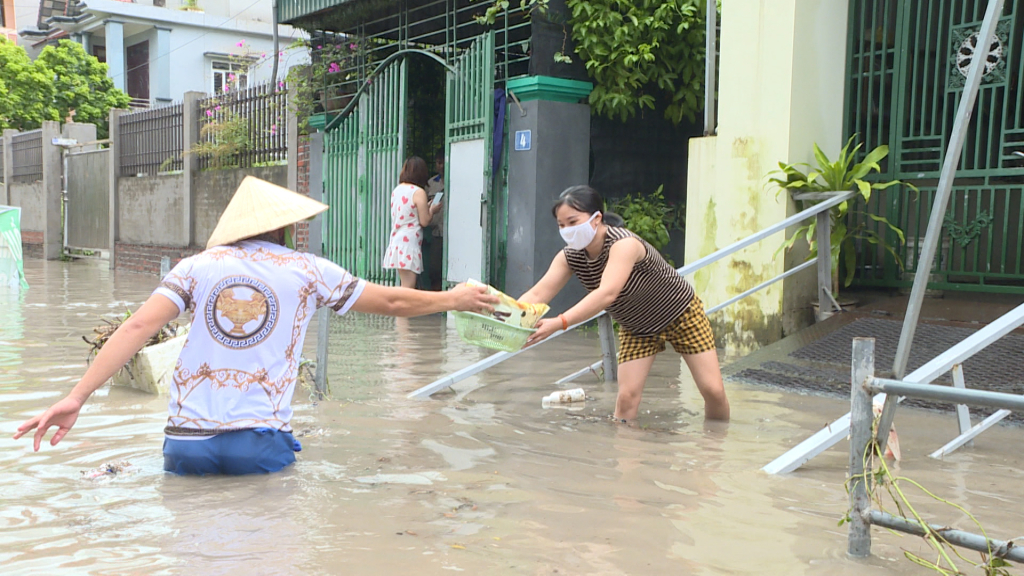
(494, 321)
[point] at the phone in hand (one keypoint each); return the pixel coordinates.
(437, 199)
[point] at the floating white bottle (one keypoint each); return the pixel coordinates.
(565, 396)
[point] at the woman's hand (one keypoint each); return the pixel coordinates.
(435, 208)
(544, 328)
(63, 414)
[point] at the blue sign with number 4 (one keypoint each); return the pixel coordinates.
(523, 140)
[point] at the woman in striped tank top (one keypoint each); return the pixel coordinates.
(628, 278)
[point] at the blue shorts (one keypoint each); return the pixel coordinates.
(255, 451)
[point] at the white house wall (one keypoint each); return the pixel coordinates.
(193, 36)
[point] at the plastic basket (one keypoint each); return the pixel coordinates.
(480, 330)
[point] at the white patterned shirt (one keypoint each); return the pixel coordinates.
(252, 302)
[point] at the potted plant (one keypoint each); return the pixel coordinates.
(848, 225)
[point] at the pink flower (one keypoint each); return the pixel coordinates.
(231, 77)
(333, 68)
(227, 88)
(217, 108)
(209, 113)
(319, 47)
(263, 55)
(273, 129)
(351, 46)
(280, 85)
(241, 43)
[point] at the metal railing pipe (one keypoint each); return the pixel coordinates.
(998, 548)
(947, 394)
(756, 237)
(763, 285)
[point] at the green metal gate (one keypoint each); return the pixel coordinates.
(907, 63)
(469, 183)
(363, 156)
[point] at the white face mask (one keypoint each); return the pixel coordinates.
(579, 236)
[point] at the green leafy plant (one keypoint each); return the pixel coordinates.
(841, 175)
(640, 53)
(223, 138)
(651, 217)
(64, 81)
(327, 84)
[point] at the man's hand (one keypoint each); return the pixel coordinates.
(472, 299)
(545, 328)
(63, 414)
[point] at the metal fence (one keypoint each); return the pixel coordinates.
(27, 156)
(151, 141)
(3, 159)
(244, 128)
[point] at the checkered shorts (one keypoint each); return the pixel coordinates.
(689, 334)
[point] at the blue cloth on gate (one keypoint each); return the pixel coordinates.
(255, 451)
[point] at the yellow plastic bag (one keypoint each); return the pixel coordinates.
(511, 311)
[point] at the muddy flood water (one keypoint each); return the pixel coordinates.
(480, 480)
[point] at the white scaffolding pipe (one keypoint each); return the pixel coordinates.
(942, 192)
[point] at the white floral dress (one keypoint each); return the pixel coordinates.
(404, 251)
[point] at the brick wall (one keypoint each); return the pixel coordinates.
(302, 229)
(32, 244)
(146, 259)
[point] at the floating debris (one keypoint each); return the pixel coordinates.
(107, 329)
(109, 470)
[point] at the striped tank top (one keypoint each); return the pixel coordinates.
(654, 296)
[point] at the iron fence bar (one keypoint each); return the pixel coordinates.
(998, 548)
(837, 430)
(942, 193)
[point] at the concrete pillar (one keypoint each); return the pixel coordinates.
(162, 66)
(85, 39)
(558, 156)
(316, 191)
(781, 82)
(53, 186)
(115, 53)
(114, 167)
(190, 164)
(7, 166)
(81, 132)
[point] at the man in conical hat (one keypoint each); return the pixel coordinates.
(252, 297)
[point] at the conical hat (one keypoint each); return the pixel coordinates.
(259, 206)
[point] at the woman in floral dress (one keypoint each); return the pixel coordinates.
(410, 212)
